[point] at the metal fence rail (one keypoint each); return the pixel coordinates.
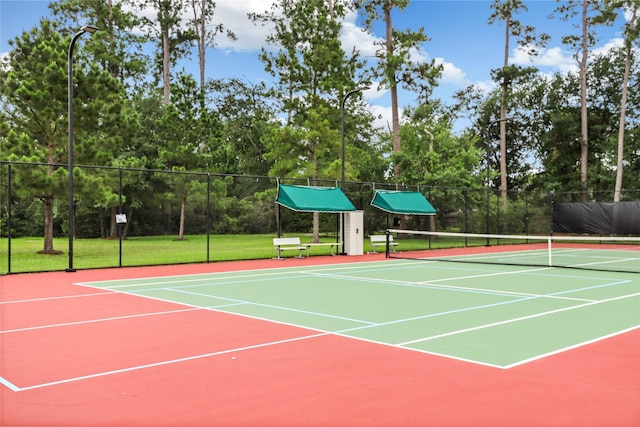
(34, 198)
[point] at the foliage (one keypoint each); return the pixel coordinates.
(163, 163)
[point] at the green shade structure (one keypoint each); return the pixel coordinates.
(402, 202)
(313, 199)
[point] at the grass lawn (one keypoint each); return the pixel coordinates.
(136, 251)
(157, 250)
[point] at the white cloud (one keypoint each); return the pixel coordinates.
(233, 14)
(554, 58)
(374, 92)
(452, 74)
(382, 116)
(557, 59)
(353, 38)
(610, 45)
(486, 85)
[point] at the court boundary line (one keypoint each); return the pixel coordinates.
(104, 319)
(297, 270)
(110, 292)
(571, 347)
(318, 333)
(321, 333)
(518, 319)
(162, 363)
(245, 302)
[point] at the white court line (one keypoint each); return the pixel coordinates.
(562, 350)
(434, 284)
(103, 319)
(278, 307)
(59, 298)
(363, 266)
(517, 319)
(166, 362)
(212, 276)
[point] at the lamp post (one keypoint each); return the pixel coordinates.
(489, 171)
(76, 36)
(344, 100)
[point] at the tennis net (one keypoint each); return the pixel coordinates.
(621, 254)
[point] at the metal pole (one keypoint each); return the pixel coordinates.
(344, 100)
(489, 173)
(76, 36)
(119, 224)
(9, 216)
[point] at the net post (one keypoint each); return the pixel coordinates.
(386, 248)
(550, 262)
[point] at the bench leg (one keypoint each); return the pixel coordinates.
(278, 257)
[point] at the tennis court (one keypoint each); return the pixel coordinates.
(324, 341)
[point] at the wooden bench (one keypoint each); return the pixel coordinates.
(288, 243)
(381, 240)
(334, 246)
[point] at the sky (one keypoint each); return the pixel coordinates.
(460, 39)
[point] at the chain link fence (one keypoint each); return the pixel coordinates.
(177, 217)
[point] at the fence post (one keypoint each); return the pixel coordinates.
(208, 216)
(120, 225)
(9, 202)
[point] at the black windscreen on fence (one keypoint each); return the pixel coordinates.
(597, 218)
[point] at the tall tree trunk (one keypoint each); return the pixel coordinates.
(183, 207)
(316, 215)
(166, 69)
(393, 86)
(584, 140)
(199, 20)
(48, 201)
(623, 108)
(113, 225)
(48, 225)
(503, 117)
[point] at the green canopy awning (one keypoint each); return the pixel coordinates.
(402, 202)
(313, 199)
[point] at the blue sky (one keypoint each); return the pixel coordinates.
(461, 40)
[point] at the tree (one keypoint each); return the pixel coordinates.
(632, 34)
(189, 139)
(118, 45)
(35, 106)
(206, 32)
(117, 48)
(591, 12)
(396, 64)
(527, 39)
(245, 114)
(173, 40)
(312, 75)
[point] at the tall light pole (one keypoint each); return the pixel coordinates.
(344, 184)
(489, 171)
(76, 36)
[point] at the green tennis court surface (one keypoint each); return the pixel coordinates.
(500, 316)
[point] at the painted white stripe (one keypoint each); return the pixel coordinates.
(104, 319)
(517, 319)
(170, 362)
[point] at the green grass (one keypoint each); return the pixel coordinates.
(155, 250)
(158, 250)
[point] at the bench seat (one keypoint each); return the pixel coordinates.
(289, 243)
(381, 240)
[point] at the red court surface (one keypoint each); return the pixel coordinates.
(157, 363)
